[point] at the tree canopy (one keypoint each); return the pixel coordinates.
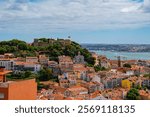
(133, 94)
(127, 65)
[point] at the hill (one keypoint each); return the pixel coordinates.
(53, 50)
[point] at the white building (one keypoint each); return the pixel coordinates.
(130, 72)
(7, 63)
(24, 66)
(96, 78)
(105, 64)
(79, 59)
(33, 66)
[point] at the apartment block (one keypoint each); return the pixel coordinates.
(16, 90)
(7, 63)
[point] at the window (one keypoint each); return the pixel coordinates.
(1, 95)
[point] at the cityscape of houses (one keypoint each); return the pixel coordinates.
(76, 80)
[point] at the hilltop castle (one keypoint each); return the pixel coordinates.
(49, 41)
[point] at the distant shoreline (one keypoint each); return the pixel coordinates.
(118, 47)
(119, 51)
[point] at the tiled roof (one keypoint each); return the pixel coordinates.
(26, 63)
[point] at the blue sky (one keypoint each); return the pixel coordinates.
(86, 21)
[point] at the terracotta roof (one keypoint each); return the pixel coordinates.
(5, 72)
(31, 57)
(143, 93)
(79, 67)
(26, 63)
(74, 98)
(65, 59)
(95, 94)
(52, 62)
(76, 88)
(57, 96)
(133, 79)
(7, 59)
(59, 89)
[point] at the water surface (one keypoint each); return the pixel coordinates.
(125, 55)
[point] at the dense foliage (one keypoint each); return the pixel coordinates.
(44, 74)
(22, 49)
(17, 47)
(99, 68)
(21, 75)
(127, 65)
(133, 94)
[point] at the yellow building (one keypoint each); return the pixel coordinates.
(126, 84)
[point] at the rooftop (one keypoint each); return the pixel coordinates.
(76, 88)
(26, 63)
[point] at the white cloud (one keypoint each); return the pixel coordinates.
(65, 15)
(140, 7)
(146, 5)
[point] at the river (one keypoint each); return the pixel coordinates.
(125, 55)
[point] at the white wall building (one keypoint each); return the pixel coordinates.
(33, 66)
(96, 79)
(7, 63)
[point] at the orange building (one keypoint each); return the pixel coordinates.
(16, 90)
(3, 73)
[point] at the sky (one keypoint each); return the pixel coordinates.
(86, 21)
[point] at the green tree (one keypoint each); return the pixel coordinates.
(27, 74)
(127, 65)
(43, 40)
(22, 46)
(133, 94)
(2, 50)
(15, 42)
(45, 74)
(99, 68)
(138, 87)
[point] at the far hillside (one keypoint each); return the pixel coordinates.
(51, 47)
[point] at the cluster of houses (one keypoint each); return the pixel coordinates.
(77, 81)
(19, 64)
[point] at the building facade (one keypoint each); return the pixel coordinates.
(7, 63)
(18, 90)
